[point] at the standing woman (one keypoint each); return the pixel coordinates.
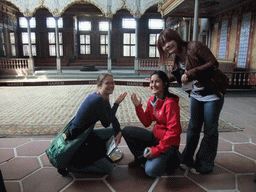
(96, 107)
(163, 142)
(197, 69)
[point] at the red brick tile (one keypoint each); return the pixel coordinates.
(224, 146)
(126, 179)
(246, 149)
(235, 137)
(181, 184)
(6, 154)
(246, 183)
(12, 186)
(46, 179)
(18, 168)
(33, 148)
(219, 179)
(235, 163)
(89, 185)
(13, 142)
(45, 160)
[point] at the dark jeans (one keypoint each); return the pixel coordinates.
(102, 165)
(206, 113)
(138, 139)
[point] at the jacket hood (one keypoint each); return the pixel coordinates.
(168, 97)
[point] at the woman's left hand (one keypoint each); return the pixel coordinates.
(118, 138)
(121, 98)
(149, 155)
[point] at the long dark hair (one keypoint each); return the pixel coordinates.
(166, 36)
(163, 76)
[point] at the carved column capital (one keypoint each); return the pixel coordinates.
(56, 13)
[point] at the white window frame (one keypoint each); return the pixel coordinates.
(24, 24)
(128, 23)
(85, 44)
(25, 45)
(153, 50)
(103, 44)
(156, 24)
(51, 22)
(52, 45)
(103, 26)
(85, 25)
(130, 45)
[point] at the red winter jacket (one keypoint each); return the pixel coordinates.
(167, 128)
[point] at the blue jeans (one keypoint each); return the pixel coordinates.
(138, 139)
(207, 114)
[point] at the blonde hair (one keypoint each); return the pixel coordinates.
(101, 77)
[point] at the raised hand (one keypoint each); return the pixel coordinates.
(135, 100)
(121, 98)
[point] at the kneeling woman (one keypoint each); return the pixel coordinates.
(163, 142)
(95, 107)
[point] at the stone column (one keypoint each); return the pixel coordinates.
(136, 59)
(186, 29)
(109, 44)
(196, 13)
(31, 64)
(58, 60)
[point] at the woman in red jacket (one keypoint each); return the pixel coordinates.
(163, 142)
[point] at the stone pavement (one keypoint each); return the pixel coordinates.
(45, 110)
(25, 167)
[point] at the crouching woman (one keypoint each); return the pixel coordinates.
(162, 143)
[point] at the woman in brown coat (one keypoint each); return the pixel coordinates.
(196, 69)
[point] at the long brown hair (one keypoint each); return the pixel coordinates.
(166, 36)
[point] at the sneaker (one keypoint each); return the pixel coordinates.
(183, 166)
(194, 171)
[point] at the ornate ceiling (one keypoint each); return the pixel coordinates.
(106, 7)
(167, 8)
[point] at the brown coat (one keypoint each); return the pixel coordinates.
(201, 65)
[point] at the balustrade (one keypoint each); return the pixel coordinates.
(9, 64)
(148, 64)
(242, 79)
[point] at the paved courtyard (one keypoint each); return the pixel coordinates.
(45, 110)
(25, 167)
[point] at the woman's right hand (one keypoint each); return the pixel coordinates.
(135, 100)
(121, 98)
(184, 79)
